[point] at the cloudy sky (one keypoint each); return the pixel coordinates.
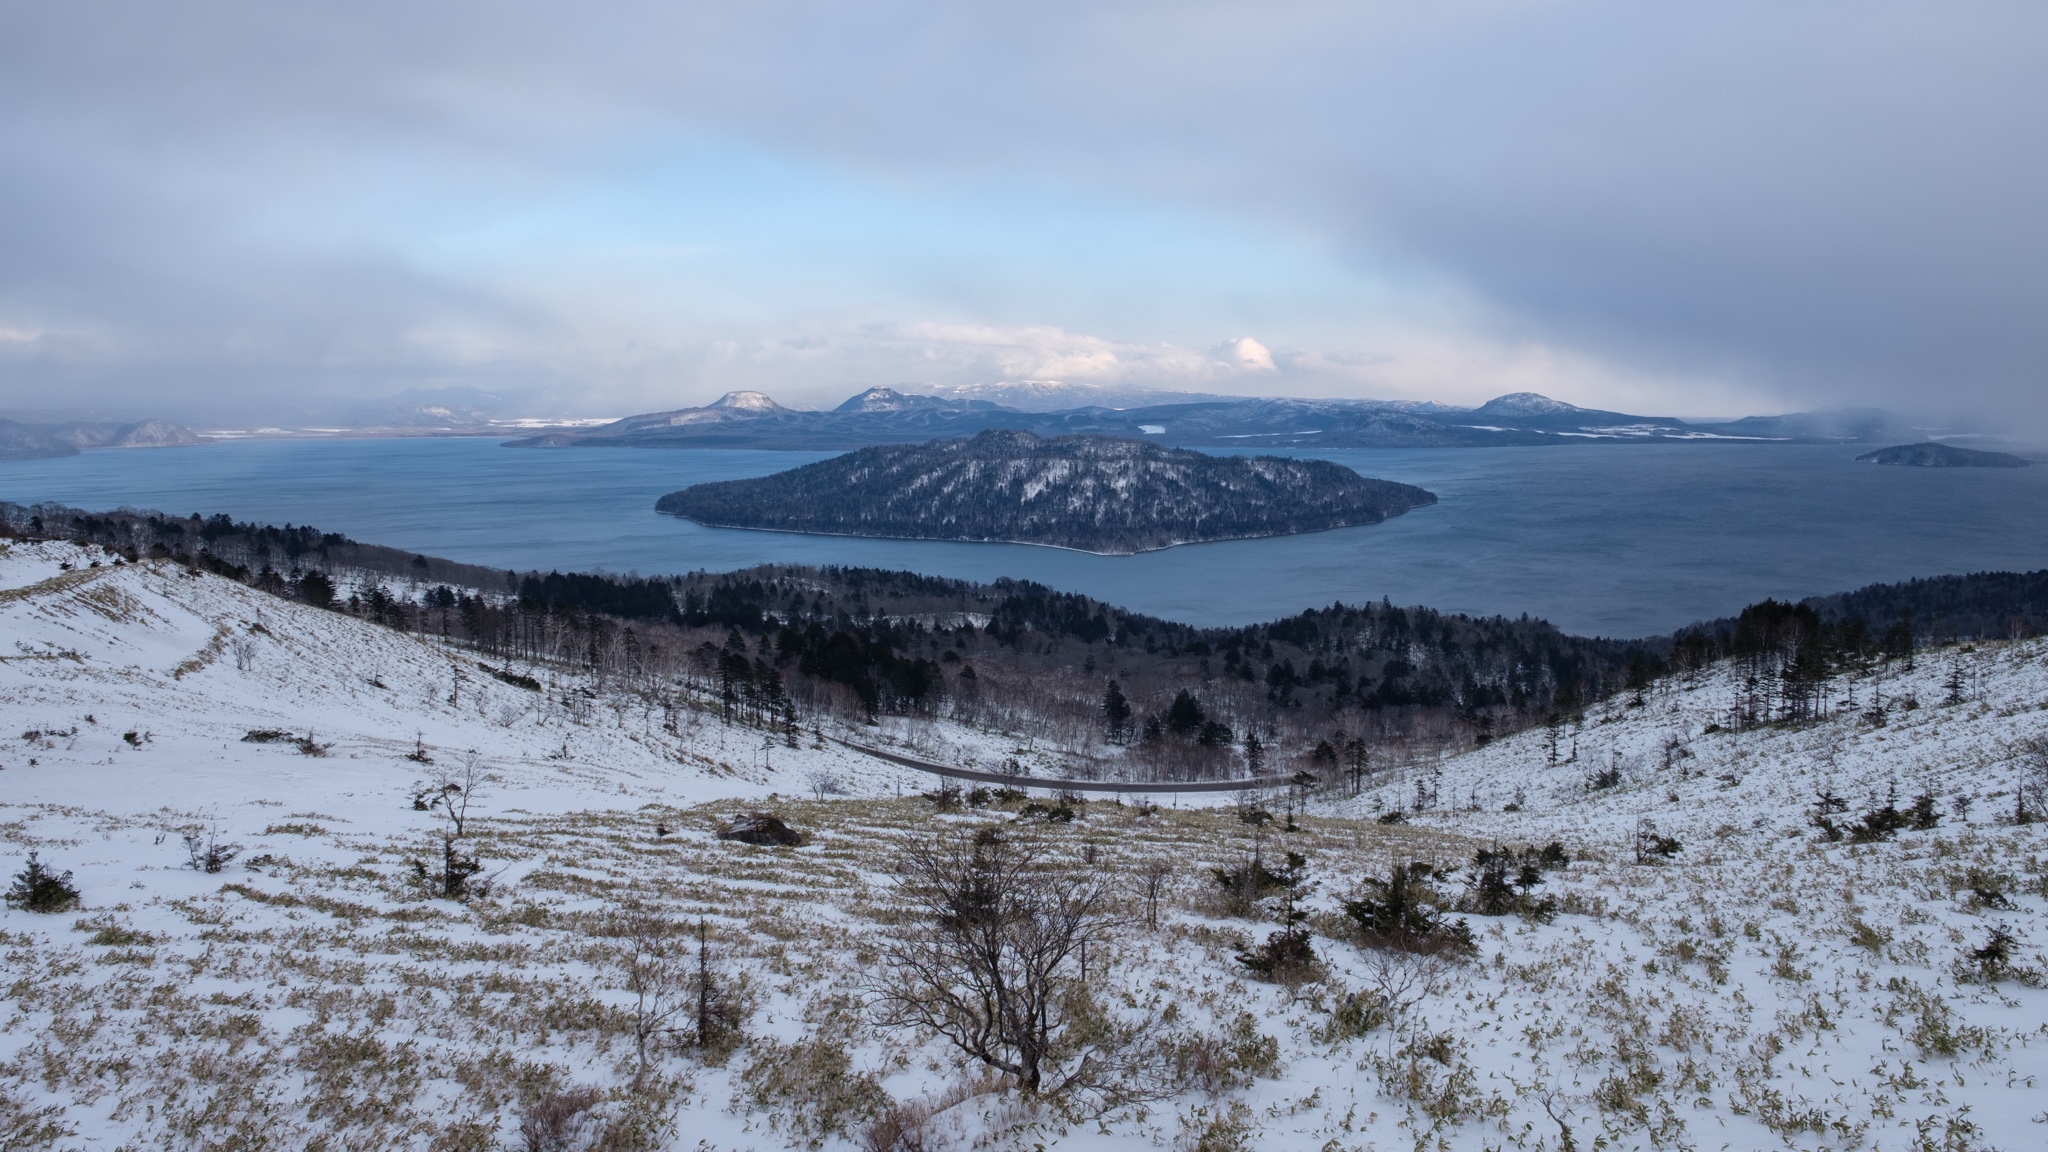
(1688, 208)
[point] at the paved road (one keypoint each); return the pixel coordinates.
(981, 777)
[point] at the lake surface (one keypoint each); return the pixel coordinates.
(1617, 540)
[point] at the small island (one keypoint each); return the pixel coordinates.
(1091, 493)
(1933, 455)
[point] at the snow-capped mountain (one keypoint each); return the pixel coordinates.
(888, 416)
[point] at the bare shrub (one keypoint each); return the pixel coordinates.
(680, 993)
(24, 1127)
(922, 1125)
(1433, 1074)
(811, 1088)
(1351, 1013)
(1231, 1129)
(1244, 886)
(1223, 1061)
(1151, 878)
(562, 1121)
(1401, 980)
(2030, 790)
(993, 960)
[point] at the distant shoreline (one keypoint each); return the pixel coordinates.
(1020, 543)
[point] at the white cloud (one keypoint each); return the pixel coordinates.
(1246, 354)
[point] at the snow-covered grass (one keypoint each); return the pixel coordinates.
(1761, 988)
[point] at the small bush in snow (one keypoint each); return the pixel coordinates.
(38, 889)
(811, 1088)
(1288, 956)
(562, 1121)
(1995, 961)
(207, 852)
(1404, 913)
(1652, 846)
(1058, 812)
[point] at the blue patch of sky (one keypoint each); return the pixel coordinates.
(732, 232)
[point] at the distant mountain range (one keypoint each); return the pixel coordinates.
(886, 416)
(1099, 495)
(22, 441)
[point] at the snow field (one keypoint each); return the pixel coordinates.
(1758, 990)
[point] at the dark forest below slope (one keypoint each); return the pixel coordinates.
(777, 644)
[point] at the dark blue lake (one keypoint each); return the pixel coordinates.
(1621, 540)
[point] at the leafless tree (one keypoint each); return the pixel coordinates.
(2030, 804)
(448, 797)
(680, 993)
(659, 982)
(1404, 979)
(1151, 878)
(991, 961)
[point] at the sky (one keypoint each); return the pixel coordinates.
(1675, 208)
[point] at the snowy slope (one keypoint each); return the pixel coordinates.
(192, 663)
(1759, 989)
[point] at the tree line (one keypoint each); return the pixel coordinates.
(1315, 691)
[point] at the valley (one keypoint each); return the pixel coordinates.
(1755, 984)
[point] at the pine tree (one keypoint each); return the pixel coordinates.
(1116, 713)
(38, 889)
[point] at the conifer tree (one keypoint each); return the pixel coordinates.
(1116, 713)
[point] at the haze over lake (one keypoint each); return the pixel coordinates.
(1620, 540)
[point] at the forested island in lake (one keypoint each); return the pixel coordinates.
(1935, 455)
(1092, 493)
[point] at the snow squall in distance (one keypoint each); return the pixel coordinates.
(1761, 988)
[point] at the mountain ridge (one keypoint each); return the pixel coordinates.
(25, 441)
(882, 415)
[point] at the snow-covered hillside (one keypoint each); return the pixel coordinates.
(1757, 987)
(189, 663)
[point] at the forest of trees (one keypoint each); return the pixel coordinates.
(1089, 492)
(1335, 691)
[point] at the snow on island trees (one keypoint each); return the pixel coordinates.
(1091, 493)
(1934, 455)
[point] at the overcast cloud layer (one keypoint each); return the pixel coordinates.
(1689, 208)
